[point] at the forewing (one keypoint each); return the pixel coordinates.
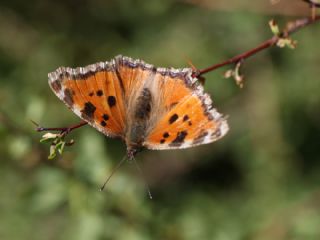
(132, 75)
(94, 93)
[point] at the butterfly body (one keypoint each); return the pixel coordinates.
(140, 117)
(145, 106)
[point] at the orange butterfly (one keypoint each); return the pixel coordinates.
(145, 106)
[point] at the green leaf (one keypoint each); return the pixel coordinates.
(52, 154)
(274, 27)
(235, 74)
(60, 146)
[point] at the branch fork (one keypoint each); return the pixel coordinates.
(57, 140)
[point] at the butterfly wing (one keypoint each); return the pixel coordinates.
(105, 94)
(94, 93)
(188, 118)
(132, 75)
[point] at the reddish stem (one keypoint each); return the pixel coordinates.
(312, 3)
(65, 130)
(240, 57)
(291, 28)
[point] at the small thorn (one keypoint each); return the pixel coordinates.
(34, 123)
(38, 128)
(150, 196)
(70, 143)
(193, 67)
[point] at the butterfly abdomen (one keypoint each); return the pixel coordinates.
(141, 115)
(143, 107)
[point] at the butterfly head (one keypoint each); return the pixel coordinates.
(132, 152)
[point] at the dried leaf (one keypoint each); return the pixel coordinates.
(49, 136)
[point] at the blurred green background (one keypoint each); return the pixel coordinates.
(261, 181)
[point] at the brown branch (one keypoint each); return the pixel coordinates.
(312, 3)
(63, 130)
(291, 28)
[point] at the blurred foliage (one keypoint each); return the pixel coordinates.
(259, 182)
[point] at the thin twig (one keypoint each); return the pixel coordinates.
(291, 28)
(63, 130)
(312, 3)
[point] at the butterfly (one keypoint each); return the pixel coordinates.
(146, 106)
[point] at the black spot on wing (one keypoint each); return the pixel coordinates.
(185, 118)
(166, 135)
(210, 117)
(200, 138)
(88, 111)
(99, 93)
(179, 139)
(105, 117)
(56, 85)
(216, 134)
(111, 101)
(91, 94)
(162, 141)
(173, 118)
(103, 123)
(68, 96)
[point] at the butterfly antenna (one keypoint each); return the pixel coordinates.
(143, 176)
(193, 67)
(113, 171)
